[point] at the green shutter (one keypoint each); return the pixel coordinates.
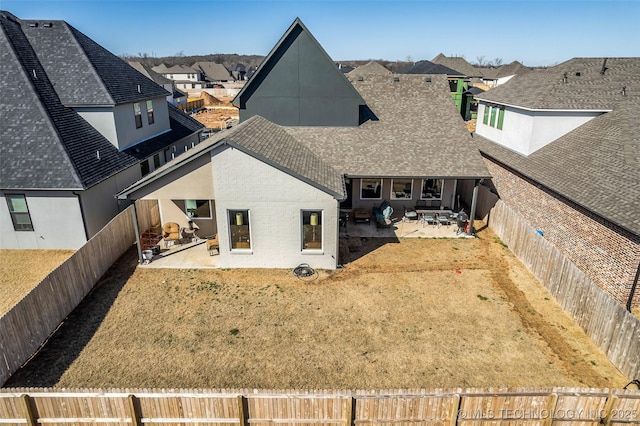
(485, 120)
(500, 117)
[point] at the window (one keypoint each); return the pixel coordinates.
(239, 229)
(150, 112)
(138, 115)
(500, 118)
(492, 120)
(485, 119)
(156, 161)
(371, 189)
(431, 189)
(401, 188)
(453, 86)
(311, 230)
(200, 209)
(19, 212)
(144, 167)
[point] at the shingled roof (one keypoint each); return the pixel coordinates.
(150, 73)
(427, 67)
(45, 145)
(213, 71)
(416, 131)
(457, 63)
(82, 71)
(578, 84)
(514, 68)
(372, 67)
(267, 142)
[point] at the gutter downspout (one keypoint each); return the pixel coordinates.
(472, 213)
(633, 288)
(82, 214)
(136, 229)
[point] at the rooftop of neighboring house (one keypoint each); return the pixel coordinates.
(514, 68)
(174, 69)
(150, 73)
(369, 68)
(577, 84)
(597, 165)
(213, 71)
(36, 122)
(414, 130)
(428, 67)
(46, 144)
(459, 64)
(91, 75)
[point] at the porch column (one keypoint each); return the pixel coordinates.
(472, 213)
(136, 229)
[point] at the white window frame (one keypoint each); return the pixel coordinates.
(422, 197)
(315, 250)
(368, 198)
(393, 193)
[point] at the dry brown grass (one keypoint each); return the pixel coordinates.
(21, 270)
(418, 313)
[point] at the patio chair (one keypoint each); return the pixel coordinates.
(429, 219)
(443, 219)
(213, 245)
(170, 233)
(410, 214)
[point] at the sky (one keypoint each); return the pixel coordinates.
(536, 33)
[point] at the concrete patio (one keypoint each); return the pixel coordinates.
(194, 255)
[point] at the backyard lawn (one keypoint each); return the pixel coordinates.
(414, 313)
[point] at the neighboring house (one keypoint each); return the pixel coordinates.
(494, 77)
(458, 83)
(175, 97)
(239, 72)
(368, 69)
(184, 77)
(459, 64)
(273, 187)
(213, 72)
(563, 147)
(78, 125)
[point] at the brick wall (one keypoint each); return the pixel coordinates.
(606, 253)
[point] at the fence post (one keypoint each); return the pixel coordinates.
(455, 407)
(133, 409)
(552, 409)
(605, 419)
(242, 415)
(350, 415)
(28, 410)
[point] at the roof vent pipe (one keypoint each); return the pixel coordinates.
(624, 90)
(564, 78)
(604, 67)
(396, 79)
(98, 155)
(139, 90)
(34, 74)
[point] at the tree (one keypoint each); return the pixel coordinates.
(481, 61)
(497, 62)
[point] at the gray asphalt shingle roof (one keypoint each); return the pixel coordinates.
(213, 71)
(418, 132)
(150, 73)
(597, 165)
(584, 88)
(267, 142)
(427, 67)
(82, 71)
(459, 64)
(369, 68)
(44, 145)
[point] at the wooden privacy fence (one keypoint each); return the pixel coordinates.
(28, 324)
(611, 327)
(262, 408)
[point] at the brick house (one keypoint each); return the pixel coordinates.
(562, 146)
(312, 142)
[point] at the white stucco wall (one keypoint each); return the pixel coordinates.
(274, 200)
(527, 131)
(56, 218)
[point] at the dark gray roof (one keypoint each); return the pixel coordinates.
(267, 142)
(44, 145)
(596, 165)
(82, 71)
(150, 73)
(459, 64)
(416, 131)
(475, 90)
(182, 125)
(427, 67)
(577, 84)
